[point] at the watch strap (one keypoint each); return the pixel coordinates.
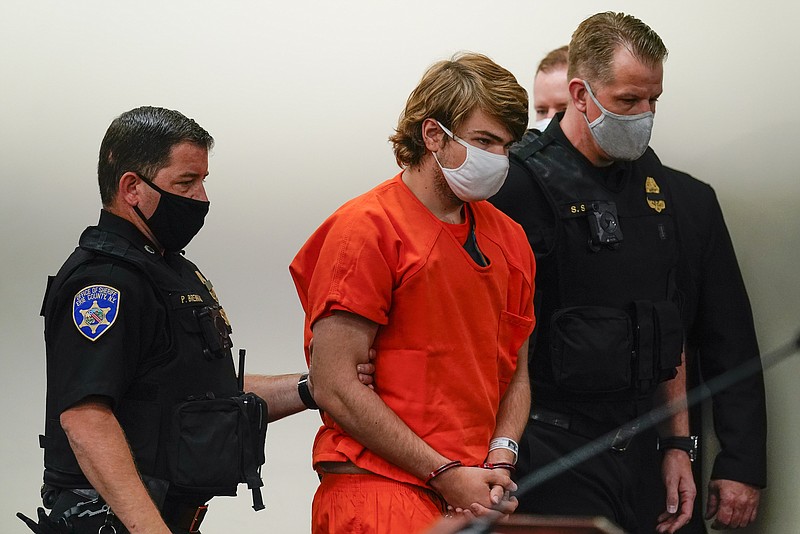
(688, 444)
(305, 393)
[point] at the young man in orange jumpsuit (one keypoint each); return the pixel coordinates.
(440, 283)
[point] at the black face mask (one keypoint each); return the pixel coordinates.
(176, 220)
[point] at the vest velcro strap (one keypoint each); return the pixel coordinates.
(252, 429)
(531, 143)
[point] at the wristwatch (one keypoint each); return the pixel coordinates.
(305, 393)
(684, 443)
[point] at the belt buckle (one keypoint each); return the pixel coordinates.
(622, 439)
(199, 514)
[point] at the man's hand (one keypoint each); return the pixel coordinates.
(731, 504)
(476, 489)
(366, 371)
(504, 503)
(676, 470)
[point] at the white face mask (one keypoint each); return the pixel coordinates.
(622, 137)
(480, 176)
(542, 124)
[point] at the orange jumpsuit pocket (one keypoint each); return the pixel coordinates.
(512, 333)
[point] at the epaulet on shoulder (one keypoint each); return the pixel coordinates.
(531, 142)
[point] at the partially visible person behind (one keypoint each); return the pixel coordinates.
(146, 419)
(550, 92)
(720, 336)
(440, 283)
(593, 199)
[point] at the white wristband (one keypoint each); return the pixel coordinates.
(505, 443)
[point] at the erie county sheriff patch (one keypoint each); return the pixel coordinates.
(94, 310)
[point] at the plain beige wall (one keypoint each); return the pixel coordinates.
(301, 97)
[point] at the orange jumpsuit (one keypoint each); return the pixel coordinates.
(449, 329)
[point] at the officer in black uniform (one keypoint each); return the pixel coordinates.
(595, 203)
(720, 337)
(145, 417)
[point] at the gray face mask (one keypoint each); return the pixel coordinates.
(622, 137)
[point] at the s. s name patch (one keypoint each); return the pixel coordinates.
(94, 310)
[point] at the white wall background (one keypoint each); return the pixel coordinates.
(301, 97)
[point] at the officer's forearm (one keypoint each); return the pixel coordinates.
(280, 393)
(673, 392)
(103, 454)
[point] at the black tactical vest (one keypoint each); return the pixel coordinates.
(184, 416)
(609, 325)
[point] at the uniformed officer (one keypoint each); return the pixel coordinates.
(145, 417)
(720, 336)
(594, 201)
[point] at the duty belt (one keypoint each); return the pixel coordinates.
(81, 510)
(618, 438)
(87, 503)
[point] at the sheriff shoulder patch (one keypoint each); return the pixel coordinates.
(94, 310)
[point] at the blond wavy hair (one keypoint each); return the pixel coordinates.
(449, 91)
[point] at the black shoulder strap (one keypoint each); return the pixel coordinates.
(100, 242)
(97, 240)
(531, 142)
(93, 242)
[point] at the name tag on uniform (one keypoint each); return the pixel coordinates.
(190, 299)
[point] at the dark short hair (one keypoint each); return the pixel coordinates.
(140, 141)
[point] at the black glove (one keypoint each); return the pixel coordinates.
(45, 525)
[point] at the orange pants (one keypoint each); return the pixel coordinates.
(372, 504)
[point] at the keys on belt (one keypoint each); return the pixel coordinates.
(623, 437)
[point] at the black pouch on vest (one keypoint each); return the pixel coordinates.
(219, 443)
(659, 342)
(591, 349)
